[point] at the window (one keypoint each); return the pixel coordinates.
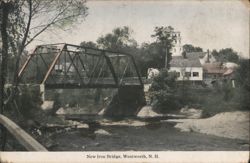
(178, 74)
(195, 74)
(187, 74)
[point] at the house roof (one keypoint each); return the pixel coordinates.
(214, 68)
(192, 60)
(228, 72)
(196, 54)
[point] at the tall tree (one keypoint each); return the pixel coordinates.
(152, 56)
(242, 77)
(22, 21)
(165, 37)
(119, 40)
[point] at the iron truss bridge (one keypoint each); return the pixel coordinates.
(67, 66)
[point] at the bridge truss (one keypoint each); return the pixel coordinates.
(62, 66)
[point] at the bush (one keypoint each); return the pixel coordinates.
(29, 101)
(162, 92)
(243, 81)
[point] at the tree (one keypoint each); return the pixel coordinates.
(226, 55)
(164, 36)
(190, 48)
(119, 40)
(88, 44)
(24, 20)
(151, 56)
(243, 80)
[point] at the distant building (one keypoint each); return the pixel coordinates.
(187, 68)
(213, 70)
(177, 48)
(198, 66)
(186, 65)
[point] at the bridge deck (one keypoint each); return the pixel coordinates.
(79, 86)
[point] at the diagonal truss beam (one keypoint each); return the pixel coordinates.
(53, 64)
(20, 73)
(76, 68)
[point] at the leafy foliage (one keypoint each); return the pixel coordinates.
(152, 55)
(24, 20)
(226, 55)
(147, 56)
(118, 40)
(243, 79)
(190, 48)
(165, 37)
(88, 44)
(27, 106)
(163, 90)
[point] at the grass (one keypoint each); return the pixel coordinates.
(214, 101)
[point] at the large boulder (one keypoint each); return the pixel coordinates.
(61, 111)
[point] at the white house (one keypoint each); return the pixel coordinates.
(187, 68)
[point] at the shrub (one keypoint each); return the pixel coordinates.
(162, 92)
(29, 101)
(243, 81)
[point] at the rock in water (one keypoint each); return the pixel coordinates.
(47, 105)
(192, 113)
(60, 111)
(101, 112)
(146, 112)
(102, 132)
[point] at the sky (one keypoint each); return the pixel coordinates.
(208, 24)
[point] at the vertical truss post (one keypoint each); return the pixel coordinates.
(111, 69)
(137, 71)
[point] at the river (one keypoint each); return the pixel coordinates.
(155, 136)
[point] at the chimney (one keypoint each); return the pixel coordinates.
(208, 56)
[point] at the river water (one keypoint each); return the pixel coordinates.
(133, 135)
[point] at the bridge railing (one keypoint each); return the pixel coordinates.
(28, 142)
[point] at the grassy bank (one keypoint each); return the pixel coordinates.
(213, 101)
